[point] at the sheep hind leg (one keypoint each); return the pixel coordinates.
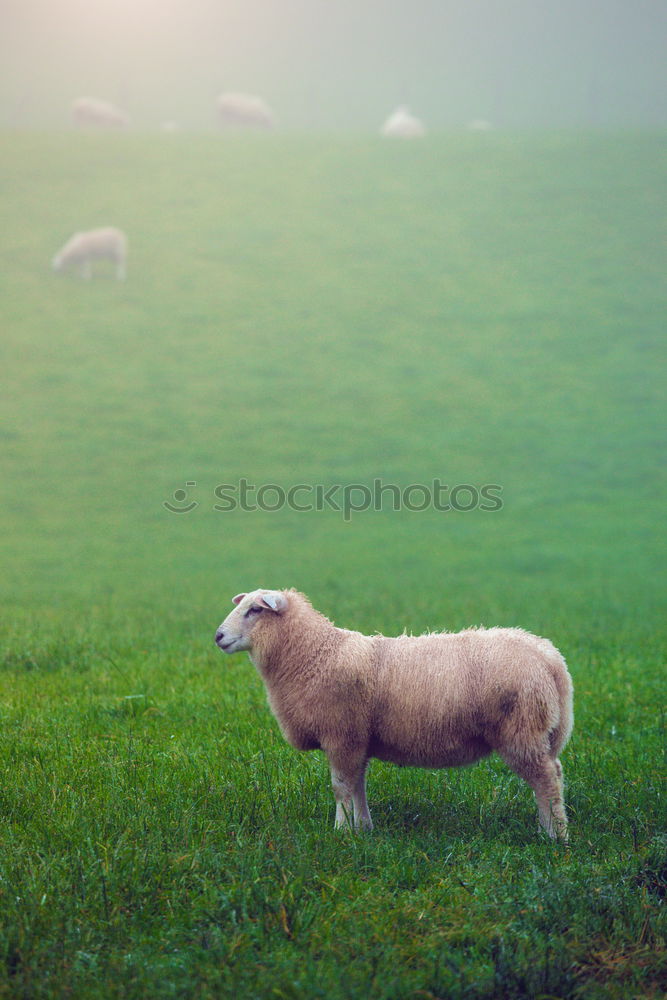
(348, 779)
(544, 774)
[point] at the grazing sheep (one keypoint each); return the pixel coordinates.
(100, 114)
(479, 125)
(436, 700)
(402, 125)
(245, 110)
(96, 244)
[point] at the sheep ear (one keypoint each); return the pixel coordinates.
(274, 600)
(238, 598)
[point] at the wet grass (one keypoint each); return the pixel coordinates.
(479, 309)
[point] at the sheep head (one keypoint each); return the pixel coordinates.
(235, 634)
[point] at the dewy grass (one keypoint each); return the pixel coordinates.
(326, 311)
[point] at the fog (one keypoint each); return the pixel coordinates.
(339, 64)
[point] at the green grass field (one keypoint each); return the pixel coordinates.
(478, 309)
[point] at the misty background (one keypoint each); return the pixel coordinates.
(339, 65)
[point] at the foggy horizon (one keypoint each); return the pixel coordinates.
(520, 63)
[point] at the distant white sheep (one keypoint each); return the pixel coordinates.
(436, 700)
(245, 110)
(403, 125)
(479, 125)
(89, 111)
(83, 248)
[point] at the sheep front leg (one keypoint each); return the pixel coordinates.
(348, 779)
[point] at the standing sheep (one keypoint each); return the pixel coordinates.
(402, 125)
(436, 700)
(81, 249)
(100, 114)
(245, 110)
(479, 125)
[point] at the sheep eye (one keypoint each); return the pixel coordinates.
(252, 611)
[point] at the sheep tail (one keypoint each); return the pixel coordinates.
(560, 734)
